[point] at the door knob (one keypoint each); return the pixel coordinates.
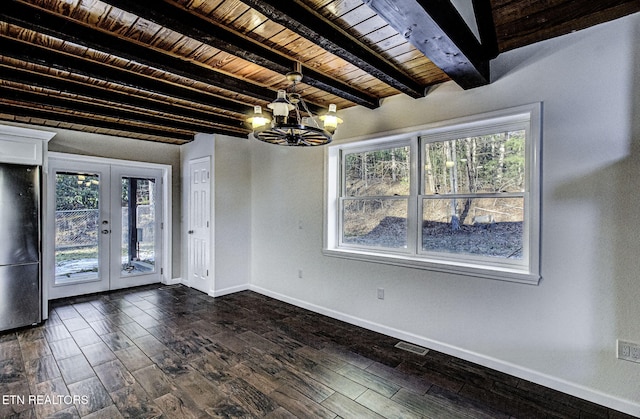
(106, 231)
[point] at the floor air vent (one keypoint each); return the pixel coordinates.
(412, 348)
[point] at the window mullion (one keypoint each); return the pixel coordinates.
(414, 188)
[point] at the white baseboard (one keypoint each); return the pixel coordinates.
(230, 290)
(622, 405)
(172, 281)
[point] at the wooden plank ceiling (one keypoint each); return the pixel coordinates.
(164, 70)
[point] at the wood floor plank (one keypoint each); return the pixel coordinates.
(338, 382)
(299, 404)
(256, 376)
(202, 391)
(85, 337)
(443, 407)
(133, 358)
(133, 402)
(171, 351)
(249, 397)
(413, 383)
(114, 375)
(75, 369)
(90, 396)
(35, 349)
(178, 405)
(380, 385)
(387, 407)
(42, 369)
(154, 381)
(345, 407)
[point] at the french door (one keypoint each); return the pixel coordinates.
(107, 220)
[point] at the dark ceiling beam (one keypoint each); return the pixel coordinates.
(42, 21)
(486, 27)
(186, 23)
(65, 104)
(65, 62)
(310, 25)
(29, 112)
(17, 75)
(437, 30)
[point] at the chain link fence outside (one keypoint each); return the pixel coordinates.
(76, 228)
(79, 229)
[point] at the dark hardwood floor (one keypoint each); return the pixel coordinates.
(169, 351)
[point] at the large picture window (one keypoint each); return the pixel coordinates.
(459, 197)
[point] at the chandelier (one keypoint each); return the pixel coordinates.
(289, 127)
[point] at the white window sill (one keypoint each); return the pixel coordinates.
(501, 273)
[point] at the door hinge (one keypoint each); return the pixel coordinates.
(207, 272)
(161, 271)
(161, 226)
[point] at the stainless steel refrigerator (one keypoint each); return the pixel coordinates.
(20, 280)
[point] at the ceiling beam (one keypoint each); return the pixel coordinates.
(196, 27)
(21, 76)
(486, 27)
(30, 112)
(60, 103)
(43, 21)
(308, 24)
(69, 63)
(437, 30)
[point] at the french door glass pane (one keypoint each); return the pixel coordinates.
(138, 212)
(77, 227)
(491, 227)
(375, 222)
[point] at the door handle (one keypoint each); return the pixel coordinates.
(106, 231)
(190, 232)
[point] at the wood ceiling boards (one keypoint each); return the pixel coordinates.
(165, 70)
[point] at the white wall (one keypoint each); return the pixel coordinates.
(233, 214)
(561, 333)
(108, 146)
(231, 211)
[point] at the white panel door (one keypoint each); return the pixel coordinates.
(199, 233)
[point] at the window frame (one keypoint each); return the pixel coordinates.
(404, 142)
(525, 270)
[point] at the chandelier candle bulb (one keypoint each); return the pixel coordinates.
(281, 107)
(258, 120)
(331, 119)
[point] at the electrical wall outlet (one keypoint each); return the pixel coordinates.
(629, 351)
